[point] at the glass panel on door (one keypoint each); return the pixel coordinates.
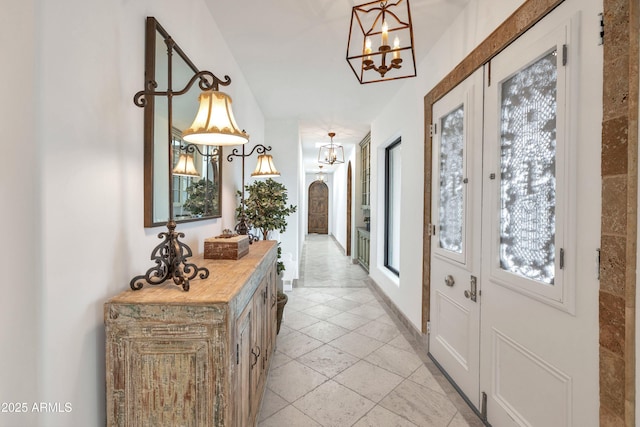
(451, 212)
(528, 171)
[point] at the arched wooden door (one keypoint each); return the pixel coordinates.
(318, 208)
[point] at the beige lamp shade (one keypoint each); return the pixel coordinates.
(214, 123)
(265, 167)
(185, 166)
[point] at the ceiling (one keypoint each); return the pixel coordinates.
(293, 56)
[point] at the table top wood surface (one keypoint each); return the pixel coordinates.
(226, 279)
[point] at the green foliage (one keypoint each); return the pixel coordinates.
(280, 266)
(201, 195)
(265, 206)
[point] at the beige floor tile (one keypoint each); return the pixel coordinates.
(420, 405)
(359, 297)
(288, 417)
(385, 318)
(395, 360)
(278, 359)
(381, 417)
(328, 360)
(296, 344)
(324, 331)
(297, 303)
(369, 380)
(423, 377)
(348, 320)
(322, 312)
(401, 342)
(332, 368)
(294, 380)
(368, 311)
(334, 405)
(356, 344)
(271, 403)
(342, 304)
(379, 331)
(297, 320)
(458, 421)
(320, 297)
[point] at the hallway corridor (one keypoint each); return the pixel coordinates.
(341, 360)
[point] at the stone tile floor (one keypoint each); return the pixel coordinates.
(342, 360)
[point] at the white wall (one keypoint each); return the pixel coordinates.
(338, 204)
(75, 231)
(283, 137)
(20, 197)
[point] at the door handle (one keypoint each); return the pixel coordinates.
(472, 294)
(449, 281)
(256, 355)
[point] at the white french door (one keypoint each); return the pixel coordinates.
(455, 261)
(506, 207)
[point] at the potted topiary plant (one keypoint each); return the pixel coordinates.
(265, 209)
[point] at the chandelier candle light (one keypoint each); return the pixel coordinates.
(375, 22)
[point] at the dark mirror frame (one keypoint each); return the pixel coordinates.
(152, 29)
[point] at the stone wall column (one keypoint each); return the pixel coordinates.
(619, 213)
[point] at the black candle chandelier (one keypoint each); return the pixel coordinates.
(370, 53)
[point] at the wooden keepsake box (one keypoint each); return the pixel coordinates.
(226, 247)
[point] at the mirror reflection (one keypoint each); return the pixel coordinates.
(196, 169)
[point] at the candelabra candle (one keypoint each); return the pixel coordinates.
(367, 48)
(385, 33)
(396, 48)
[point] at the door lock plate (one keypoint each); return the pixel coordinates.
(472, 294)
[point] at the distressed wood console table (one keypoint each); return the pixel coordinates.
(196, 358)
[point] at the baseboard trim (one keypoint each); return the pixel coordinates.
(399, 315)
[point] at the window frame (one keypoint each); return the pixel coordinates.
(396, 144)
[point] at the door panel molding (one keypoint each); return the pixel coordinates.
(549, 405)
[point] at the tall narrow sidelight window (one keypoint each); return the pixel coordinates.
(528, 171)
(392, 207)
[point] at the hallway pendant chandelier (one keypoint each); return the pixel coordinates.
(374, 26)
(320, 176)
(332, 153)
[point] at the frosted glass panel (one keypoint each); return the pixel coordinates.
(451, 211)
(528, 169)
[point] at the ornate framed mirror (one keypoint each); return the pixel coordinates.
(197, 169)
